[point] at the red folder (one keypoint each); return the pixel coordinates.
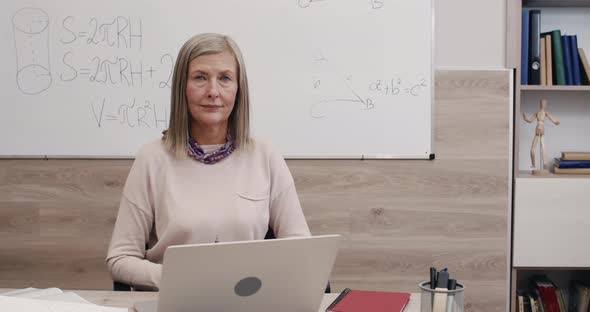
(374, 301)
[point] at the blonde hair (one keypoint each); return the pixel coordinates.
(176, 136)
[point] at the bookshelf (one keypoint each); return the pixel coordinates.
(550, 213)
(555, 3)
(555, 88)
(528, 175)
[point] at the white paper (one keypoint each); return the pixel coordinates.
(37, 305)
(19, 291)
(35, 293)
(146, 306)
(66, 297)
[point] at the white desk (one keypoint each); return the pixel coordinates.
(126, 299)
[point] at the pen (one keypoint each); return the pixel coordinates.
(452, 285)
(432, 283)
(432, 277)
(439, 303)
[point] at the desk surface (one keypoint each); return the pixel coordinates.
(126, 299)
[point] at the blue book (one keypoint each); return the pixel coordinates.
(524, 48)
(572, 163)
(567, 60)
(576, 60)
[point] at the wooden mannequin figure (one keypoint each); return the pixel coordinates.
(540, 135)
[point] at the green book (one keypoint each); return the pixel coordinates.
(558, 66)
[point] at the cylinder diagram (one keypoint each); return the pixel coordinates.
(31, 41)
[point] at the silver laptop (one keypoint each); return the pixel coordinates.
(287, 275)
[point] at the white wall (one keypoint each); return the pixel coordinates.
(470, 34)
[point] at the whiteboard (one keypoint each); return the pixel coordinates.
(328, 78)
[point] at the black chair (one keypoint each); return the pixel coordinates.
(118, 286)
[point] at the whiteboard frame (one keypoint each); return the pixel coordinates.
(433, 84)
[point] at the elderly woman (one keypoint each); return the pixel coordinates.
(206, 180)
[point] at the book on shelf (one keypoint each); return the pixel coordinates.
(542, 295)
(572, 163)
(543, 62)
(567, 59)
(523, 302)
(527, 304)
(548, 59)
(558, 170)
(561, 299)
(533, 304)
(585, 67)
(547, 294)
(536, 300)
(577, 80)
(579, 297)
(520, 303)
(558, 65)
(575, 155)
(563, 163)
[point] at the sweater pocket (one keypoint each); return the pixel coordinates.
(254, 196)
(253, 201)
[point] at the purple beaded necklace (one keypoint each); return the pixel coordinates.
(196, 152)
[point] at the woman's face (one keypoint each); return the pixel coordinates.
(211, 88)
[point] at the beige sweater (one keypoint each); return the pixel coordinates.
(167, 201)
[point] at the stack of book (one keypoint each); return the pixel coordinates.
(544, 296)
(572, 163)
(550, 58)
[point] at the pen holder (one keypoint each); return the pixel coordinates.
(433, 300)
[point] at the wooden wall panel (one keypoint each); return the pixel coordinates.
(398, 217)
